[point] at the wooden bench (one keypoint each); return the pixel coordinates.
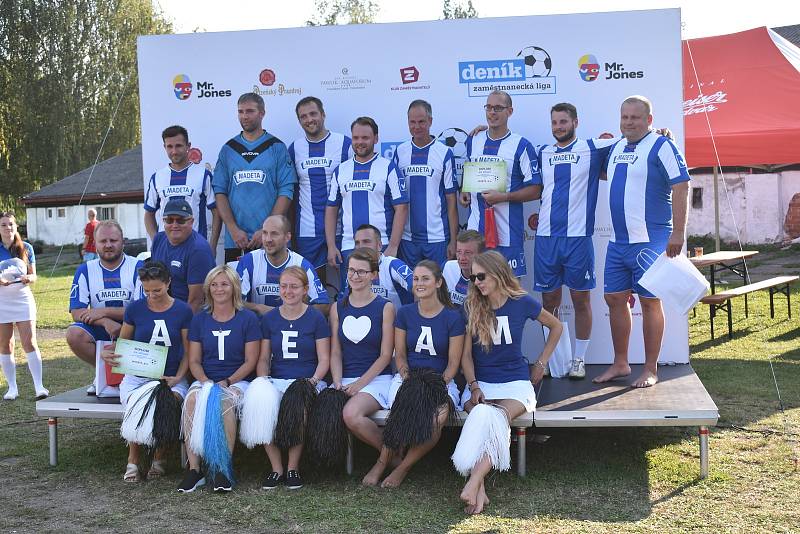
(722, 301)
(519, 428)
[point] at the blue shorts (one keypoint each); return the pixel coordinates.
(622, 271)
(559, 261)
(314, 249)
(516, 259)
(413, 253)
(97, 332)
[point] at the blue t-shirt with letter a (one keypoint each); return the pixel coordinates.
(428, 339)
(161, 328)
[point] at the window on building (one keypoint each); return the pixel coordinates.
(697, 198)
(49, 213)
(62, 213)
(105, 213)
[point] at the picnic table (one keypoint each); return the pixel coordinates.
(725, 260)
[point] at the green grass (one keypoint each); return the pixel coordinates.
(583, 480)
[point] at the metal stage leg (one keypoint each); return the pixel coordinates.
(703, 452)
(521, 446)
(348, 463)
(52, 427)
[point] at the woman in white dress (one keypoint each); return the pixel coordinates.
(17, 272)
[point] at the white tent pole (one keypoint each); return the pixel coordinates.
(716, 212)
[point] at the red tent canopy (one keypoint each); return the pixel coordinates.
(749, 93)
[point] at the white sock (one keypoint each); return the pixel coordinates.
(35, 367)
(10, 370)
(580, 348)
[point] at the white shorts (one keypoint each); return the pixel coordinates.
(282, 384)
(378, 388)
(397, 381)
(241, 386)
(518, 390)
(130, 383)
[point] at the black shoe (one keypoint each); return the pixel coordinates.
(221, 483)
(191, 481)
(293, 480)
(272, 480)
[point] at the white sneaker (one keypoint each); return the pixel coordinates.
(578, 370)
(91, 390)
(42, 393)
(11, 395)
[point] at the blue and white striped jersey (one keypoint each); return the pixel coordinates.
(94, 286)
(521, 168)
(569, 178)
(457, 285)
(394, 281)
(314, 163)
(261, 279)
(640, 180)
(193, 183)
(428, 172)
(367, 193)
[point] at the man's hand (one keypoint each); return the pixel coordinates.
(255, 243)
(494, 197)
(451, 250)
(239, 237)
(92, 315)
(391, 250)
(112, 327)
(674, 245)
(478, 129)
(666, 132)
(464, 199)
(334, 257)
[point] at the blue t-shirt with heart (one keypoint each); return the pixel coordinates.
(360, 335)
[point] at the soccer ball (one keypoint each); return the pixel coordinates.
(537, 61)
(456, 140)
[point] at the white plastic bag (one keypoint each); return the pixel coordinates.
(675, 281)
(561, 360)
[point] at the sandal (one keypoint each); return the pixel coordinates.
(132, 473)
(157, 469)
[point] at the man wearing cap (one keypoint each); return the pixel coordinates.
(186, 253)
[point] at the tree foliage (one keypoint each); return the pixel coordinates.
(331, 12)
(64, 65)
(454, 9)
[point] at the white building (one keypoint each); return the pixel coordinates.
(57, 213)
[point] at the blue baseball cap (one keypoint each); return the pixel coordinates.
(178, 206)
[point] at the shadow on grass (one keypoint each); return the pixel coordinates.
(791, 335)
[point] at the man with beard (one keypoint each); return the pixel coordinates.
(101, 289)
(253, 179)
(315, 156)
(568, 181)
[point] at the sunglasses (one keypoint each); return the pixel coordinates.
(479, 277)
(151, 272)
(175, 220)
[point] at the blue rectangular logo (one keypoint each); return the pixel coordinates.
(498, 70)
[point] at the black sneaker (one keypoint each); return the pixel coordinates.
(191, 481)
(293, 480)
(221, 483)
(272, 480)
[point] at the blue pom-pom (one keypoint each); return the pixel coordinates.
(215, 443)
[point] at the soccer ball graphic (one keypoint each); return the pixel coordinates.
(537, 61)
(456, 140)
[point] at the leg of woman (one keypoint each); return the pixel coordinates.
(188, 411)
(7, 360)
(415, 454)
(229, 416)
(275, 459)
(159, 463)
(27, 334)
(374, 475)
(295, 453)
(474, 492)
(356, 416)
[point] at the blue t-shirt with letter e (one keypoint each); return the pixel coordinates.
(161, 328)
(505, 362)
(294, 343)
(223, 343)
(428, 339)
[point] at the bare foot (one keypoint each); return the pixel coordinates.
(482, 501)
(646, 379)
(615, 371)
(470, 496)
(374, 475)
(395, 478)
(396, 458)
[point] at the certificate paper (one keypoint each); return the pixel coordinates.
(484, 176)
(140, 359)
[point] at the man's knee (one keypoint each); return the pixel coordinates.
(616, 299)
(551, 300)
(581, 301)
(650, 305)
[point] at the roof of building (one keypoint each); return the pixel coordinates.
(116, 179)
(790, 33)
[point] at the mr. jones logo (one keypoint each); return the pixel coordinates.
(589, 70)
(182, 86)
(527, 74)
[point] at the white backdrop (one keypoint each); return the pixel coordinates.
(377, 69)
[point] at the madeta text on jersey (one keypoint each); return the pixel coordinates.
(359, 185)
(566, 157)
(313, 163)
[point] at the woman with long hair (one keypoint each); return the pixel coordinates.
(296, 346)
(361, 347)
(17, 306)
(158, 319)
(498, 376)
(428, 341)
(224, 340)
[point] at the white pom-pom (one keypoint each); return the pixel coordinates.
(259, 413)
(486, 432)
(137, 401)
(199, 418)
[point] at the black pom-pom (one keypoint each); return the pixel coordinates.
(293, 413)
(167, 416)
(327, 433)
(416, 407)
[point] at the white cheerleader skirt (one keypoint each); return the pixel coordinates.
(378, 389)
(130, 383)
(518, 390)
(16, 304)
